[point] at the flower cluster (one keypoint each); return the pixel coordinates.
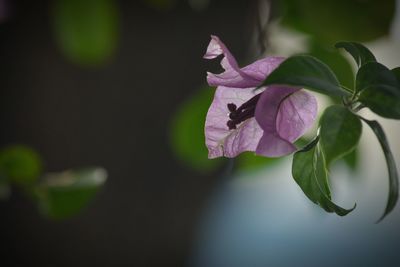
(242, 117)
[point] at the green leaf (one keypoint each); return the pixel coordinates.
(62, 195)
(87, 31)
(187, 132)
(351, 159)
(380, 90)
(20, 164)
(332, 20)
(396, 72)
(340, 131)
(336, 61)
(391, 165)
(374, 74)
(310, 173)
(360, 53)
(306, 71)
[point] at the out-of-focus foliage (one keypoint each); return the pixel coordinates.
(20, 164)
(331, 20)
(87, 31)
(249, 161)
(61, 195)
(187, 131)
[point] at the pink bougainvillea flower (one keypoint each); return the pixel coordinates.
(267, 120)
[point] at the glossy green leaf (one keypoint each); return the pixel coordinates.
(87, 31)
(187, 132)
(62, 195)
(332, 20)
(306, 71)
(374, 74)
(360, 53)
(391, 165)
(20, 164)
(336, 61)
(380, 90)
(396, 72)
(310, 172)
(340, 131)
(352, 159)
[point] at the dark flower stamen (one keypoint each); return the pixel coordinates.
(231, 107)
(244, 112)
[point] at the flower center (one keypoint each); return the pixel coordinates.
(244, 112)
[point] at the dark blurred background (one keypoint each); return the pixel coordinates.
(115, 116)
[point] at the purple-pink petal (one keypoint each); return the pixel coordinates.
(249, 76)
(296, 114)
(261, 68)
(221, 141)
(284, 114)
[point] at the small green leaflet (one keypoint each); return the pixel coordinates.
(310, 172)
(380, 89)
(306, 71)
(340, 131)
(391, 165)
(360, 53)
(396, 72)
(87, 31)
(62, 195)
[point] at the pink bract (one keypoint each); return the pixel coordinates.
(280, 116)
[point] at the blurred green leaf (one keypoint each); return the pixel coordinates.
(332, 20)
(380, 90)
(336, 61)
(391, 165)
(20, 164)
(396, 72)
(249, 161)
(62, 195)
(360, 53)
(340, 131)
(187, 132)
(310, 172)
(306, 71)
(87, 31)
